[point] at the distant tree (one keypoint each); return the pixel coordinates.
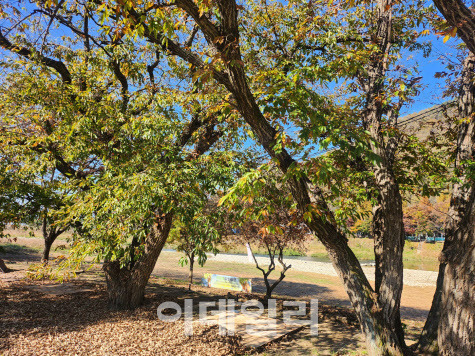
(196, 234)
(425, 217)
(267, 218)
(28, 199)
(361, 227)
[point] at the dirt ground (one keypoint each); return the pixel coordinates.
(416, 301)
(76, 320)
(35, 323)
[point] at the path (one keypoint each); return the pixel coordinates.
(415, 278)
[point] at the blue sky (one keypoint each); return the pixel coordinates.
(433, 87)
(430, 95)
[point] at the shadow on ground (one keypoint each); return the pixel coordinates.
(13, 253)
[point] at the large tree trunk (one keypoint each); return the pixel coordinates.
(126, 285)
(381, 339)
(46, 238)
(427, 343)
(3, 267)
(460, 16)
(456, 333)
(453, 328)
(49, 236)
(387, 224)
(388, 233)
(449, 327)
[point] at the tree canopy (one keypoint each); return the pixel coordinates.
(146, 109)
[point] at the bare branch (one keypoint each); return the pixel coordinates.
(46, 32)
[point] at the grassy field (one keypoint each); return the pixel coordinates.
(12, 248)
(308, 284)
(417, 255)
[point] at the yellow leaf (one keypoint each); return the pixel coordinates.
(222, 200)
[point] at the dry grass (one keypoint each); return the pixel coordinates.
(81, 324)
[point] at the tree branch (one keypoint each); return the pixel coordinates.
(58, 66)
(123, 82)
(174, 48)
(461, 17)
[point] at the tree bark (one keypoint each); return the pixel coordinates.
(46, 237)
(456, 332)
(380, 337)
(449, 327)
(49, 236)
(192, 262)
(460, 16)
(47, 248)
(388, 232)
(427, 343)
(3, 267)
(387, 224)
(270, 288)
(126, 285)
